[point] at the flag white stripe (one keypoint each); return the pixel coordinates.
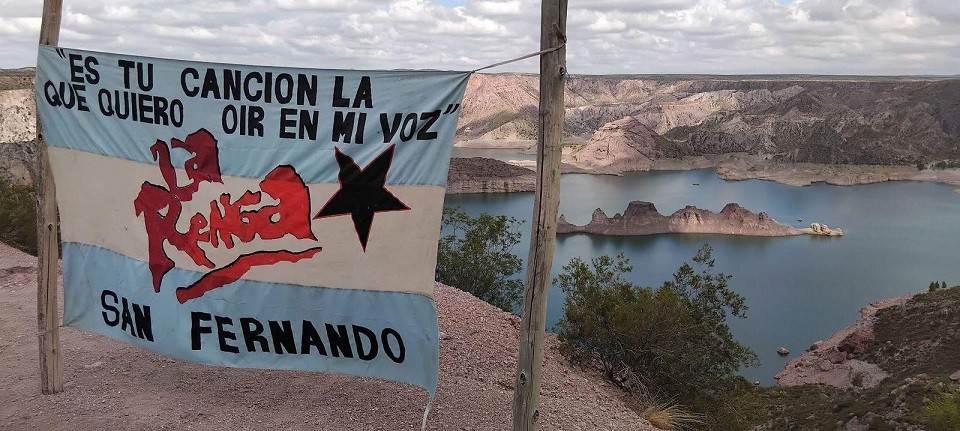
(96, 194)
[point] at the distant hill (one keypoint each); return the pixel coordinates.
(795, 118)
(15, 79)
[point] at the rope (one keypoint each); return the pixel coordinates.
(426, 411)
(546, 51)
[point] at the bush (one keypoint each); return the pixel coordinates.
(474, 255)
(18, 215)
(946, 164)
(857, 379)
(672, 341)
(942, 413)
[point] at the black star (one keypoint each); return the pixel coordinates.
(362, 193)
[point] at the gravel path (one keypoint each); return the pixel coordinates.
(111, 385)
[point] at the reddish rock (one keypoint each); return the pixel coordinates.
(836, 357)
(857, 342)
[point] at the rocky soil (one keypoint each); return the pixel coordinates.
(642, 218)
(108, 384)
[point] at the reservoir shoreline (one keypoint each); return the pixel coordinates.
(486, 175)
(800, 288)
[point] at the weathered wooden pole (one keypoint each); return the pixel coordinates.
(48, 253)
(526, 396)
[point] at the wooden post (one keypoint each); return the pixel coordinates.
(526, 395)
(48, 253)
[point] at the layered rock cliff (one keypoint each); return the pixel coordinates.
(484, 175)
(642, 218)
(622, 122)
(18, 128)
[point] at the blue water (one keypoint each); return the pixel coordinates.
(900, 236)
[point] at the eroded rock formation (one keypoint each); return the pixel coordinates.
(642, 218)
(822, 120)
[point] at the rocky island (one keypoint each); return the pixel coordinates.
(642, 218)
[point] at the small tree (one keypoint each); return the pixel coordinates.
(672, 342)
(18, 214)
(474, 254)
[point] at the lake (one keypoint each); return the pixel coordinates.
(900, 236)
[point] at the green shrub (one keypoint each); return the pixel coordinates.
(857, 379)
(942, 413)
(673, 340)
(946, 164)
(18, 215)
(474, 255)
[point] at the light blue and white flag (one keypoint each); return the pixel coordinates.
(251, 216)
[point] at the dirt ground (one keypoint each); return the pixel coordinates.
(108, 384)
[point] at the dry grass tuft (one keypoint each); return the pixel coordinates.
(671, 417)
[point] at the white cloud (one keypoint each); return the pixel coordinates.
(605, 36)
(495, 8)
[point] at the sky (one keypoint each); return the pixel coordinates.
(853, 37)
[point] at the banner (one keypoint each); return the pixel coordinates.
(251, 216)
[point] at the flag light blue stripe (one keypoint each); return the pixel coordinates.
(89, 270)
(415, 162)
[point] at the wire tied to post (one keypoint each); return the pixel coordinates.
(545, 51)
